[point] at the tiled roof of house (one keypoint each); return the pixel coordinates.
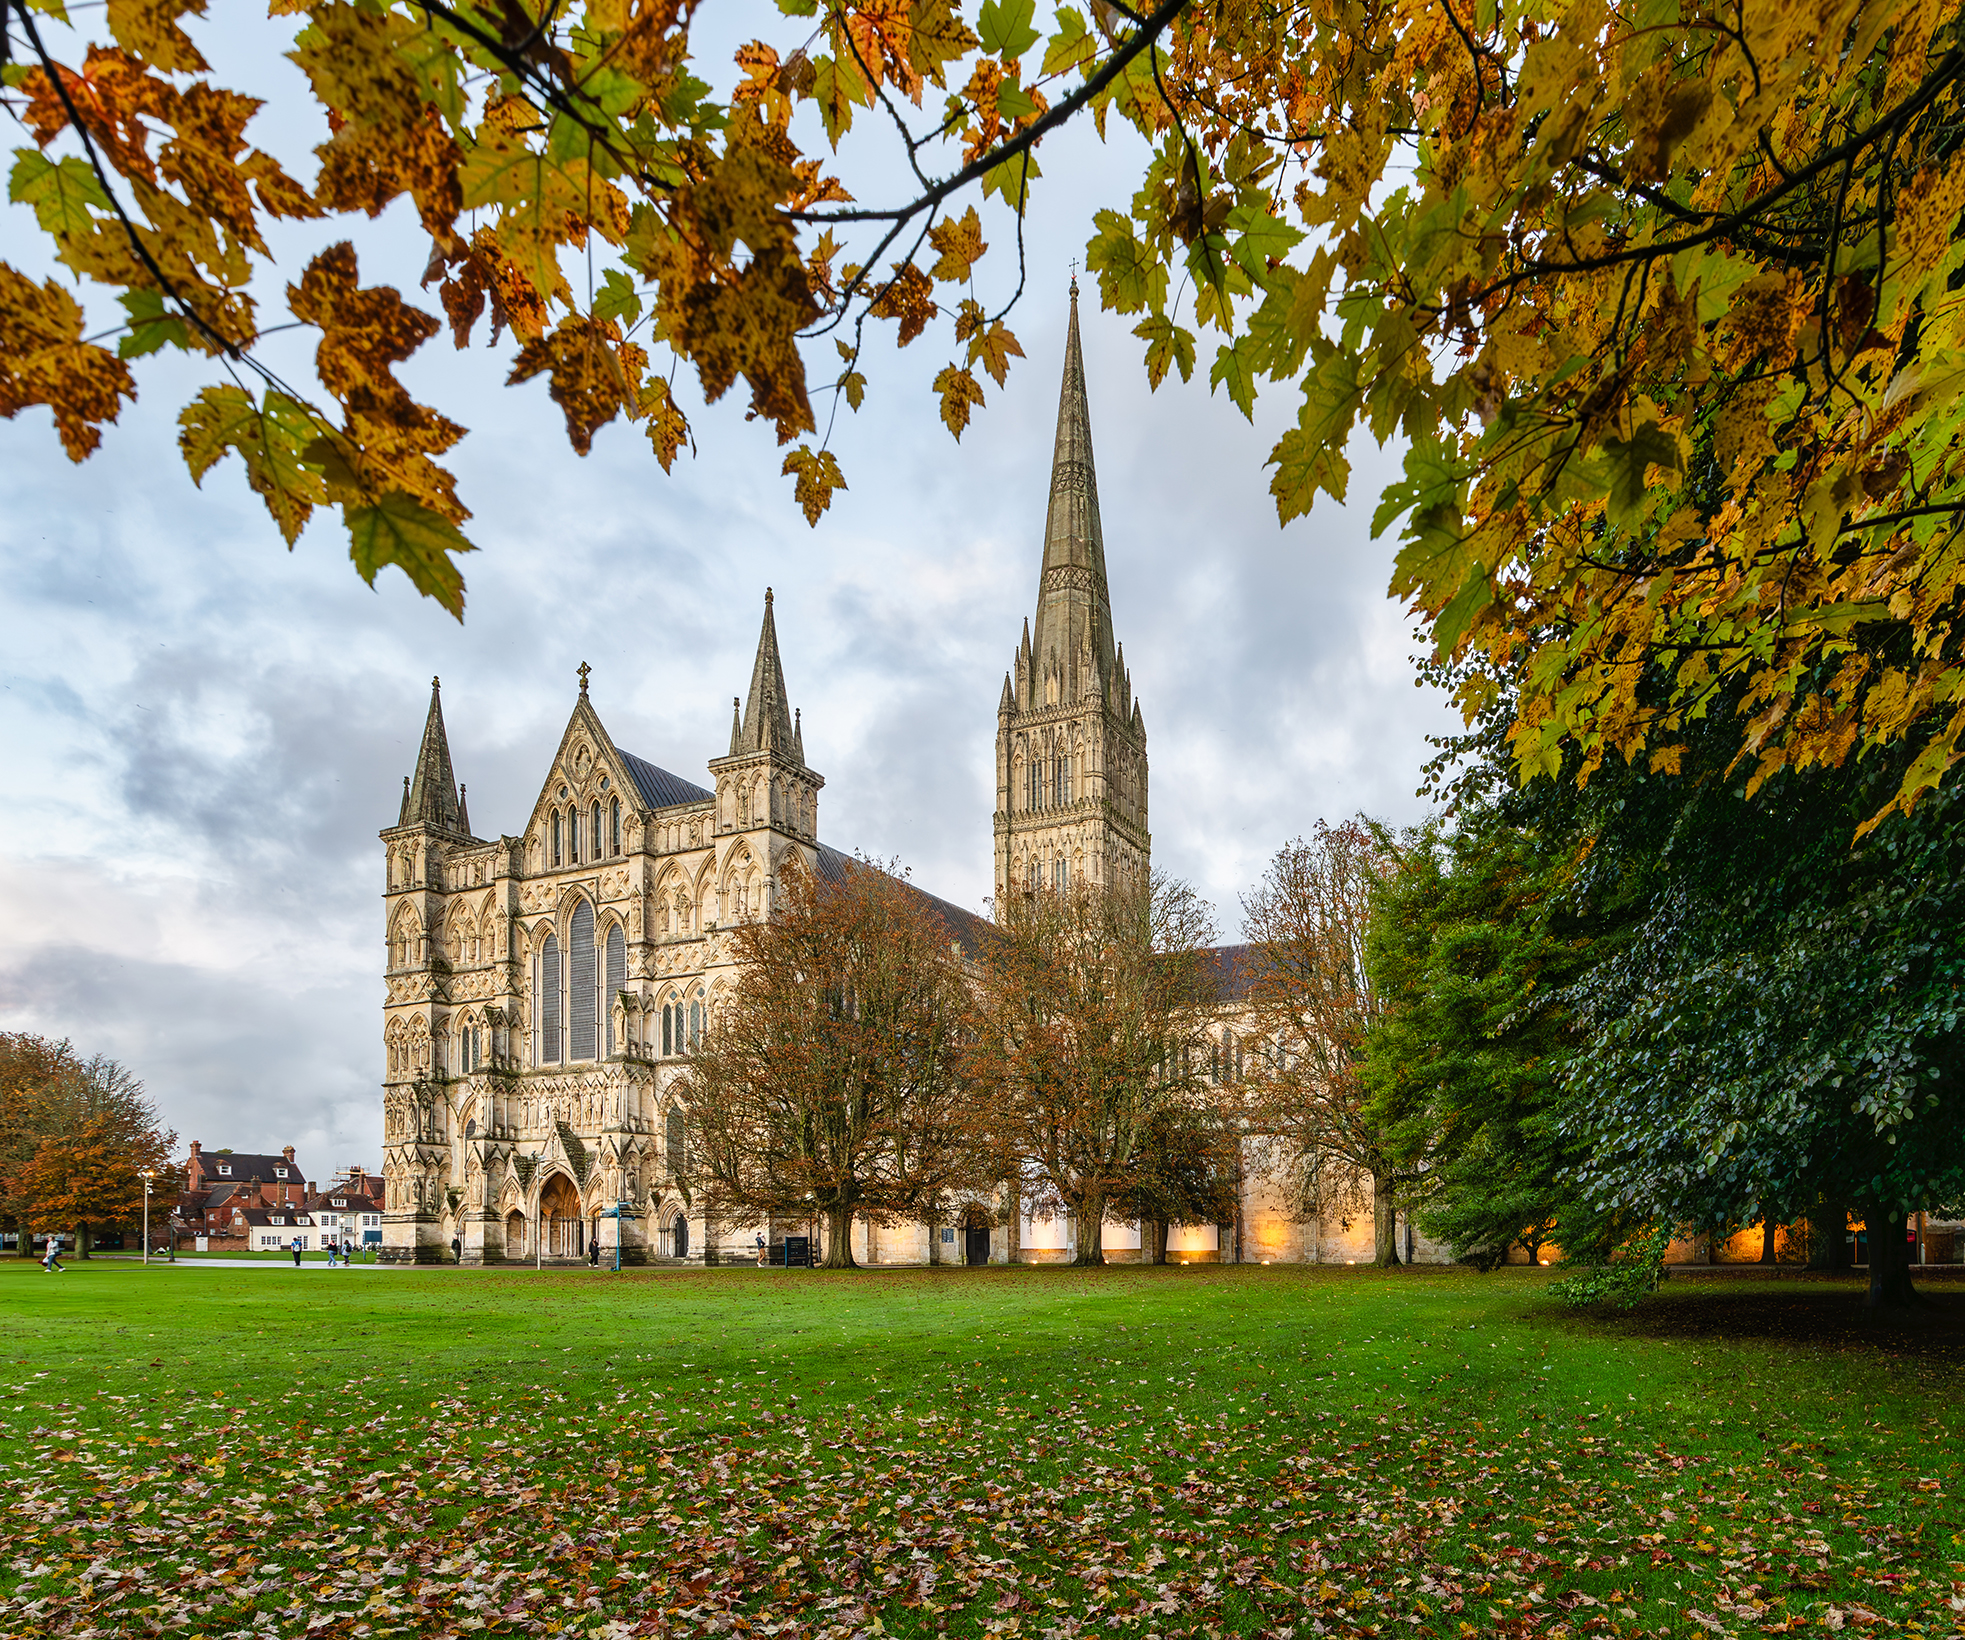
(245, 1167)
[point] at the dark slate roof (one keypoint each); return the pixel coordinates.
(1233, 969)
(659, 789)
(245, 1167)
(966, 926)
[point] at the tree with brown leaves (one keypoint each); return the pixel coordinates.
(1088, 1002)
(830, 1081)
(59, 1115)
(1313, 1004)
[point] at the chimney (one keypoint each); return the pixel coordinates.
(196, 1147)
(288, 1153)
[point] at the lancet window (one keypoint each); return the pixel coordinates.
(547, 989)
(617, 977)
(580, 988)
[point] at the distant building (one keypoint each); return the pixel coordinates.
(346, 1215)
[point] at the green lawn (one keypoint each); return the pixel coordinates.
(1040, 1453)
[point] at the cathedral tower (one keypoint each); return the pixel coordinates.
(1070, 739)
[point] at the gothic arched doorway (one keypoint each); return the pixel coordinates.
(679, 1237)
(975, 1236)
(515, 1242)
(559, 1207)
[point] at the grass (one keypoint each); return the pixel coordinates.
(1026, 1452)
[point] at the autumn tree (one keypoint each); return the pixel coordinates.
(84, 1181)
(49, 1094)
(1557, 248)
(830, 1082)
(1088, 1003)
(1313, 1004)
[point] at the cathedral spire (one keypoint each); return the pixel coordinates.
(1074, 605)
(767, 713)
(432, 796)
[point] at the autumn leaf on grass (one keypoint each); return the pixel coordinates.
(668, 428)
(959, 390)
(399, 530)
(595, 374)
(271, 438)
(960, 244)
(818, 475)
(43, 360)
(908, 297)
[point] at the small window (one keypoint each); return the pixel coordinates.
(225, 1170)
(597, 833)
(614, 823)
(668, 1027)
(279, 1173)
(276, 1219)
(556, 837)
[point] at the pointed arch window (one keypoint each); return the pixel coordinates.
(558, 857)
(614, 826)
(617, 977)
(668, 1022)
(597, 834)
(696, 1022)
(580, 988)
(573, 836)
(549, 1000)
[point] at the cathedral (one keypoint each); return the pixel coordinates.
(545, 988)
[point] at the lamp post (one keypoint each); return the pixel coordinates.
(147, 1177)
(619, 1220)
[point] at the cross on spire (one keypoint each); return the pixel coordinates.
(584, 670)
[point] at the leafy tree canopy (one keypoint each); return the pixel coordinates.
(1658, 294)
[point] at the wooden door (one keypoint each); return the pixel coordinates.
(976, 1248)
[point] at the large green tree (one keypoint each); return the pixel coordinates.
(1476, 932)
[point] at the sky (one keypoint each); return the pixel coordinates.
(204, 733)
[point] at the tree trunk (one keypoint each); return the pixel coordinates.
(1769, 1249)
(1384, 1220)
(1889, 1262)
(81, 1241)
(1088, 1230)
(1828, 1238)
(1159, 1229)
(839, 1239)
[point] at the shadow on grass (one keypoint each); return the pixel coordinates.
(1831, 1315)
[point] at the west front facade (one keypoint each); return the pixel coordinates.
(544, 988)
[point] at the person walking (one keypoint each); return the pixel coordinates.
(593, 1253)
(331, 1251)
(456, 1250)
(296, 1252)
(51, 1260)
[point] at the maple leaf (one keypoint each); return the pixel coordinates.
(908, 297)
(668, 428)
(64, 193)
(1167, 345)
(271, 437)
(817, 474)
(993, 347)
(43, 360)
(397, 529)
(959, 242)
(959, 390)
(595, 374)
(149, 29)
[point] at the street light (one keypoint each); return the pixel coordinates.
(147, 1177)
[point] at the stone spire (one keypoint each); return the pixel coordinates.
(1074, 605)
(431, 799)
(767, 713)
